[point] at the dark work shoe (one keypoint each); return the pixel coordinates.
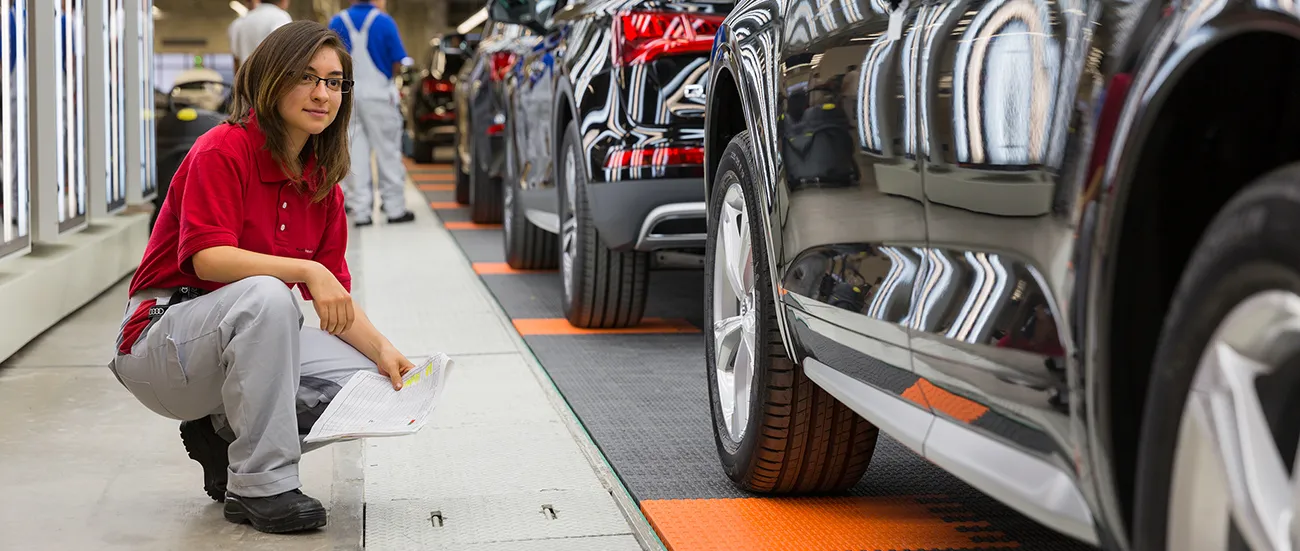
(288, 512)
(205, 446)
(409, 216)
(362, 223)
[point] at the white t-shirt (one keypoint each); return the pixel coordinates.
(231, 32)
(253, 28)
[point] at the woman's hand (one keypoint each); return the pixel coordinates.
(333, 303)
(395, 365)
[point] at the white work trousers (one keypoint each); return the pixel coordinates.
(242, 355)
(376, 127)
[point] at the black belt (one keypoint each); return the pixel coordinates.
(182, 294)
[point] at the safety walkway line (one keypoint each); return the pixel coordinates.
(432, 177)
(470, 226)
(436, 187)
(501, 268)
(821, 524)
(561, 326)
(445, 205)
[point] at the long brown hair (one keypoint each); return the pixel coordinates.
(269, 73)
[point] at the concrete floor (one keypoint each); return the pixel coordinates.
(84, 466)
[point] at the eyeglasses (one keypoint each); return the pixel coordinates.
(335, 84)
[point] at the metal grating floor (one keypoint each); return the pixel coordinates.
(643, 399)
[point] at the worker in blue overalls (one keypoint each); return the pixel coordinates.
(377, 53)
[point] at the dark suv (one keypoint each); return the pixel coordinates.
(1053, 247)
(605, 145)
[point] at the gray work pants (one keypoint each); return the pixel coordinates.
(241, 354)
(376, 126)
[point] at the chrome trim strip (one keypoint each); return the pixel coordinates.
(647, 241)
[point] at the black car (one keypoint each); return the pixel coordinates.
(605, 145)
(1050, 246)
(479, 151)
(431, 106)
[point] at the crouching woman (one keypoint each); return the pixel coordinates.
(212, 335)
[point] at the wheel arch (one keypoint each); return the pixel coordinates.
(564, 111)
(1181, 137)
(723, 121)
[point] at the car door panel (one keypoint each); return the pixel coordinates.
(853, 230)
(998, 94)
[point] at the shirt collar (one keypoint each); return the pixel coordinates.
(267, 168)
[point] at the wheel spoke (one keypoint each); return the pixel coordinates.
(1257, 478)
(744, 375)
(736, 249)
(727, 339)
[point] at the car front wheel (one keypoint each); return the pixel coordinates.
(775, 430)
(1216, 467)
(484, 190)
(462, 177)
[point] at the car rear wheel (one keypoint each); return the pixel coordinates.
(528, 247)
(775, 430)
(1221, 427)
(484, 190)
(422, 152)
(602, 288)
(462, 178)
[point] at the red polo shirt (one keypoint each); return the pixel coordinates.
(230, 192)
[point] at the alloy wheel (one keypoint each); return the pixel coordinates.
(569, 225)
(735, 306)
(1234, 464)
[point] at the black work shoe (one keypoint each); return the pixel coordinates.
(205, 446)
(362, 223)
(409, 216)
(287, 512)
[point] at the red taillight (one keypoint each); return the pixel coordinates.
(496, 129)
(432, 85)
(501, 63)
(654, 156)
(640, 37)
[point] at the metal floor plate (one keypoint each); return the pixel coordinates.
(643, 398)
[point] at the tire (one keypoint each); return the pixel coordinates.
(422, 152)
(462, 179)
(528, 247)
(797, 438)
(484, 190)
(602, 288)
(1249, 247)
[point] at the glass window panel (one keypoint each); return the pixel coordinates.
(114, 103)
(69, 20)
(148, 157)
(14, 203)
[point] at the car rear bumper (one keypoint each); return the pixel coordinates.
(649, 215)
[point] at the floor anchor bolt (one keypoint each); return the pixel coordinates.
(435, 518)
(549, 512)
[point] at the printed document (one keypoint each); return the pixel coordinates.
(367, 406)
